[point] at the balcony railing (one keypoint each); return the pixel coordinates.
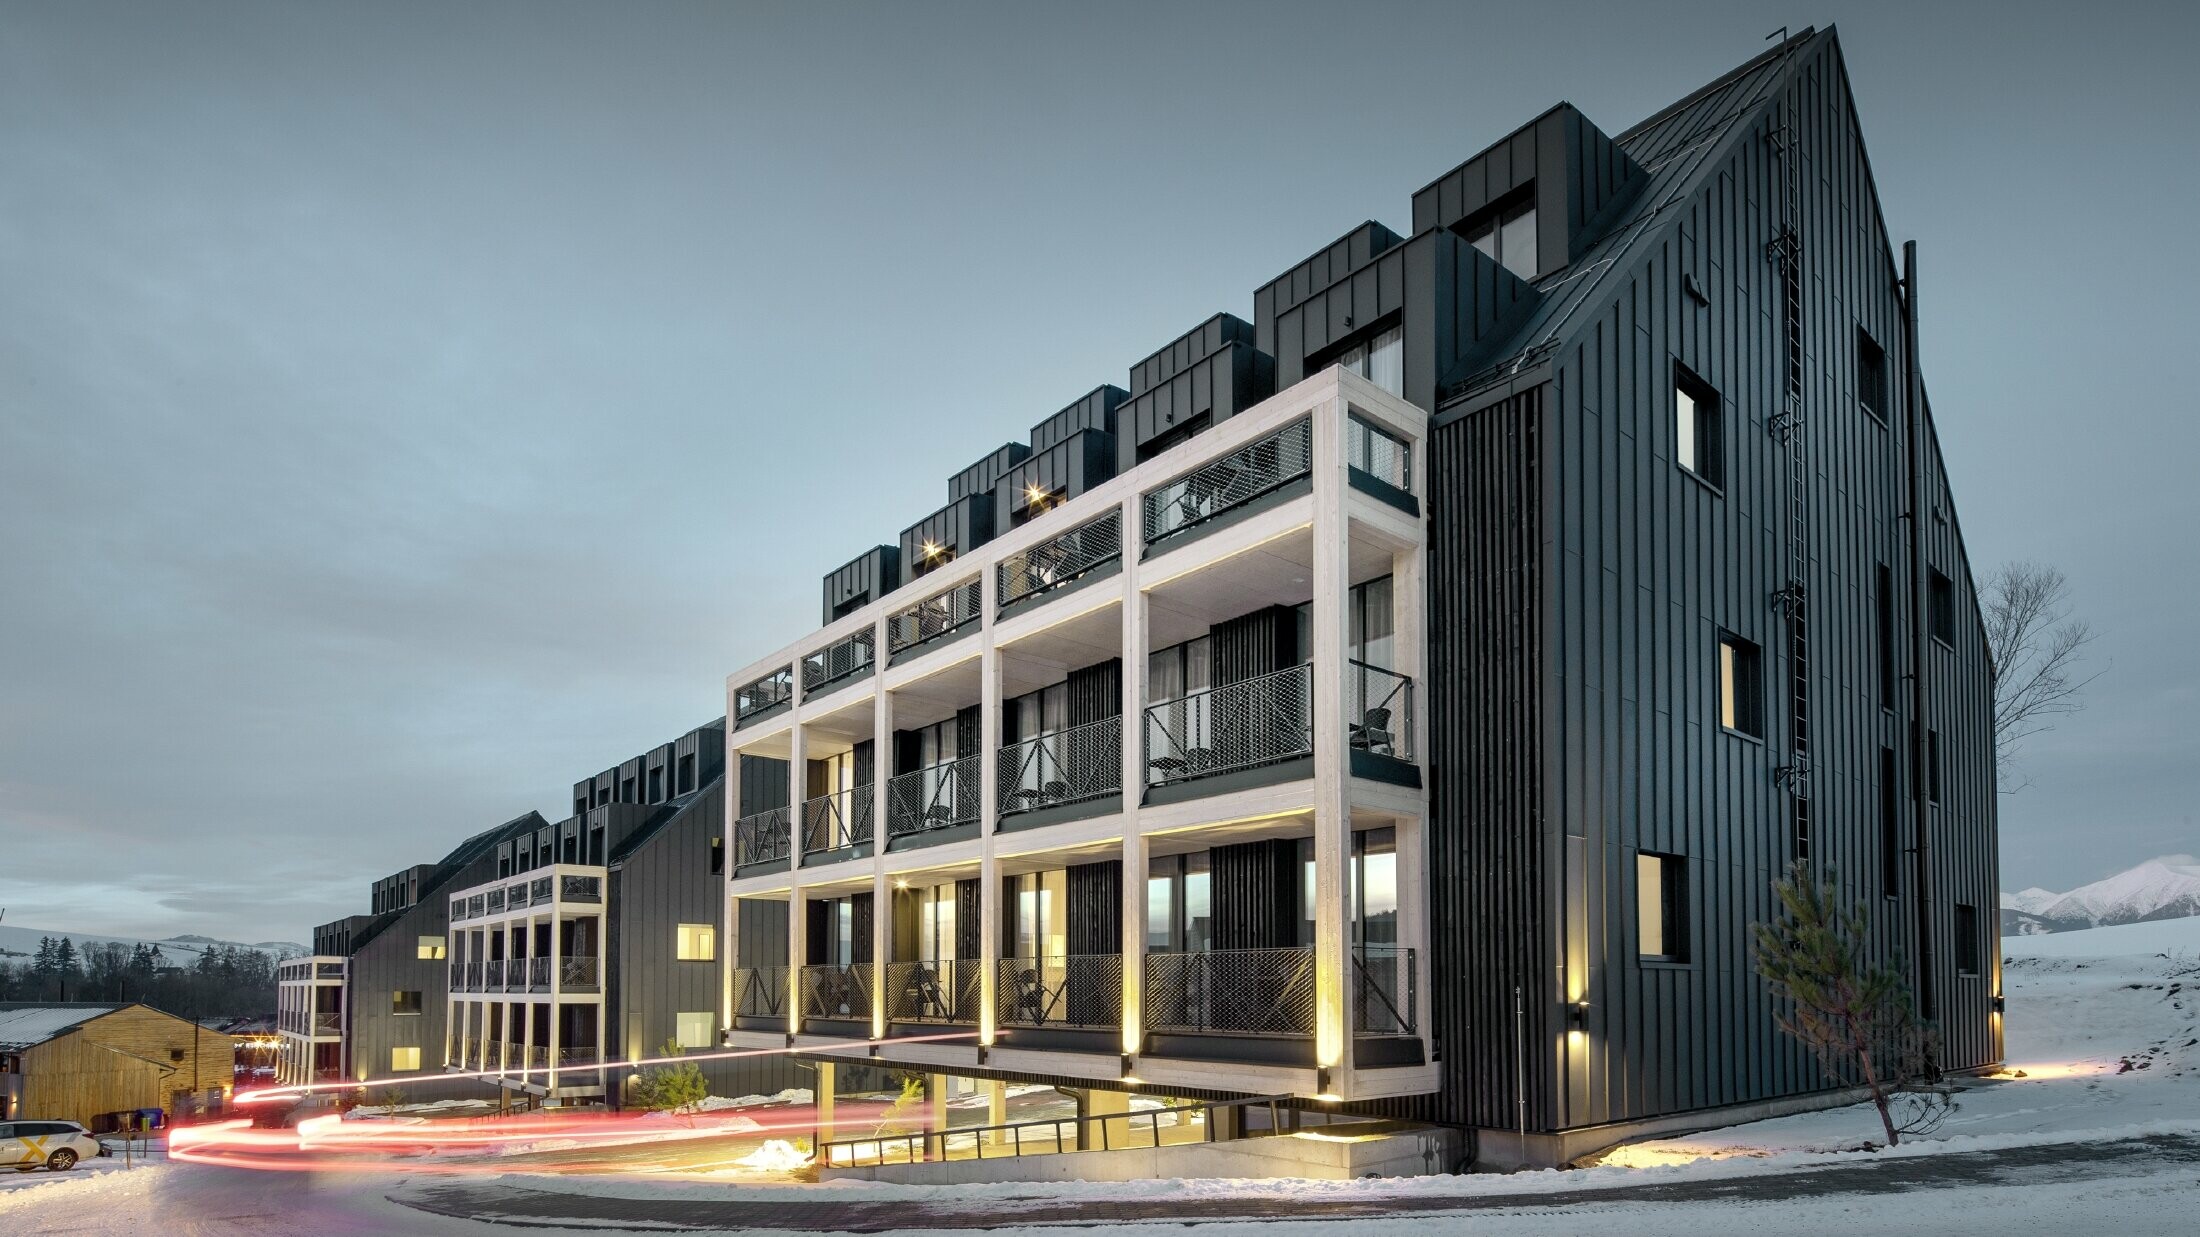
(328, 970)
(458, 976)
(761, 992)
(837, 661)
(477, 906)
(538, 890)
(1229, 482)
(458, 909)
(574, 887)
(1249, 991)
(837, 991)
(515, 895)
(496, 902)
(841, 819)
(1067, 558)
(577, 973)
(1379, 453)
(328, 1023)
(761, 838)
(942, 991)
(935, 616)
(538, 974)
(492, 975)
(1241, 725)
(1384, 987)
(769, 692)
(1378, 710)
(1079, 990)
(933, 797)
(1082, 762)
(473, 977)
(576, 1056)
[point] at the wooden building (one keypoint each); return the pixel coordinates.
(83, 1061)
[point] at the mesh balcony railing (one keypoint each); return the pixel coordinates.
(1079, 990)
(761, 838)
(760, 992)
(573, 887)
(1250, 991)
(837, 661)
(538, 889)
(458, 976)
(933, 797)
(1379, 453)
(769, 692)
(577, 973)
(515, 896)
(538, 974)
(935, 616)
(1069, 557)
(458, 909)
(1240, 725)
(496, 902)
(476, 906)
(831, 991)
(492, 975)
(1231, 481)
(1384, 988)
(1082, 762)
(473, 977)
(328, 1024)
(942, 991)
(1378, 710)
(841, 819)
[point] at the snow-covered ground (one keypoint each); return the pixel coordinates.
(2103, 1043)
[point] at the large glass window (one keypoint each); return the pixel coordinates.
(1508, 236)
(1661, 901)
(1741, 691)
(1372, 626)
(692, 1030)
(936, 923)
(1179, 670)
(1697, 439)
(1178, 918)
(1381, 360)
(1042, 914)
(698, 942)
(1375, 887)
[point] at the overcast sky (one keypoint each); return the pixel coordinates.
(407, 410)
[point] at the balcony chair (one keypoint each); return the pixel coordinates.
(1372, 732)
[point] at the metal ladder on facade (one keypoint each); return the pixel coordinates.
(1786, 251)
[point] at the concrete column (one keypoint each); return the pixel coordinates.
(882, 945)
(996, 1107)
(1332, 780)
(1136, 623)
(989, 790)
(731, 809)
(798, 946)
(935, 1089)
(798, 788)
(1103, 1103)
(882, 743)
(828, 1084)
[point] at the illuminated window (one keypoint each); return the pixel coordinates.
(404, 1060)
(407, 1002)
(692, 1030)
(431, 949)
(1697, 441)
(1661, 902)
(1741, 693)
(698, 942)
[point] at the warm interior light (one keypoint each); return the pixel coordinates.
(931, 549)
(1327, 1098)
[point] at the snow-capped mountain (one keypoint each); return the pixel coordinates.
(2163, 888)
(19, 943)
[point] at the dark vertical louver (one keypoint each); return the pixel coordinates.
(860, 910)
(1096, 692)
(763, 784)
(969, 926)
(1095, 923)
(1255, 644)
(1255, 891)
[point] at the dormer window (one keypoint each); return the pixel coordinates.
(932, 555)
(1381, 360)
(1507, 234)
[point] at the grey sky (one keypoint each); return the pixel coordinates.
(406, 410)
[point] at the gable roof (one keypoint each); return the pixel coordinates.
(23, 1024)
(1680, 148)
(674, 809)
(448, 869)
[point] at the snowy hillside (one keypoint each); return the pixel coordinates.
(17, 943)
(2164, 888)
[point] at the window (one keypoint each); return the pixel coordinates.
(698, 942)
(656, 785)
(1741, 691)
(1042, 915)
(1381, 360)
(1944, 610)
(687, 773)
(1967, 942)
(1177, 915)
(1379, 453)
(1890, 824)
(1661, 907)
(1697, 444)
(1886, 637)
(1871, 376)
(1932, 765)
(692, 1030)
(1507, 235)
(626, 791)
(404, 1060)
(405, 1002)
(431, 949)
(717, 855)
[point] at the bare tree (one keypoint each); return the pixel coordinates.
(2037, 647)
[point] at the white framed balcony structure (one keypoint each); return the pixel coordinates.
(1272, 522)
(310, 994)
(526, 981)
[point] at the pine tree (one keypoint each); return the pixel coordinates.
(1857, 1017)
(672, 1088)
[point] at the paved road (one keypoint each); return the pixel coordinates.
(2020, 1166)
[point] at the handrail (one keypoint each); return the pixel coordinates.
(1247, 991)
(760, 992)
(836, 661)
(838, 820)
(1064, 766)
(1064, 990)
(1061, 560)
(940, 614)
(762, 837)
(1228, 482)
(758, 695)
(934, 797)
(1239, 725)
(1008, 1138)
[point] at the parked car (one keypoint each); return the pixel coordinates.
(58, 1145)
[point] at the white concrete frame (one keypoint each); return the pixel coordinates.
(1335, 518)
(297, 991)
(467, 1011)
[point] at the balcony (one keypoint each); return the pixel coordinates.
(473, 977)
(1237, 991)
(1259, 721)
(933, 798)
(538, 974)
(495, 902)
(1378, 711)
(760, 992)
(838, 662)
(839, 820)
(1384, 988)
(1083, 991)
(837, 993)
(1380, 463)
(1076, 765)
(764, 696)
(938, 617)
(492, 975)
(1232, 483)
(580, 887)
(1082, 552)
(762, 838)
(942, 991)
(577, 973)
